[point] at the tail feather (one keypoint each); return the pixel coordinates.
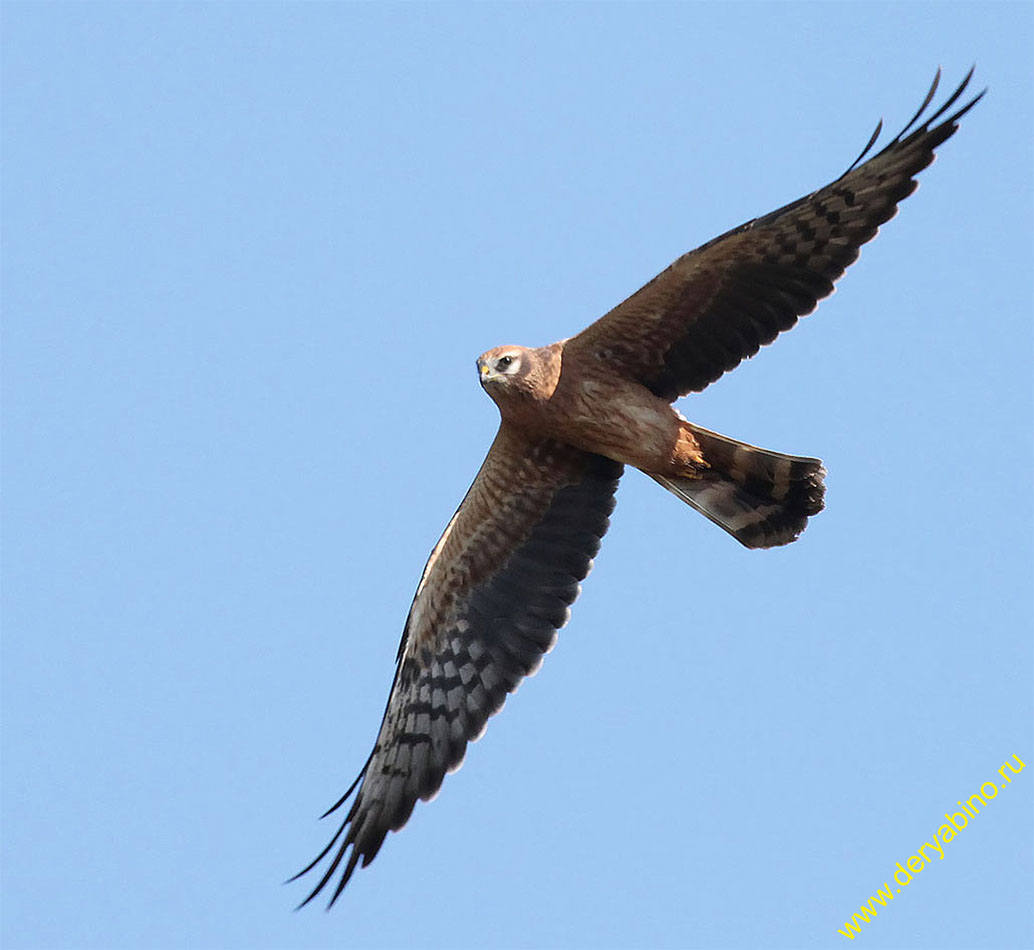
(762, 498)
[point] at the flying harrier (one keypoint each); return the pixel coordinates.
(500, 582)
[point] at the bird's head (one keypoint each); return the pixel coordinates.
(519, 379)
(504, 366)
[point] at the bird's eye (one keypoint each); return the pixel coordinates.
(503, 362)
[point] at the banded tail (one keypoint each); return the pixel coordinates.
(763, 499)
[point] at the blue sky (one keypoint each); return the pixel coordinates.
(250, 253)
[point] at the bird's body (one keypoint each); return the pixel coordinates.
(500, 581)
(556, 392)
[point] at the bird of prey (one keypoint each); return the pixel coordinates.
(500, 582)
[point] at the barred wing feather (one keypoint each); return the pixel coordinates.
(496, 588)
(717, 305)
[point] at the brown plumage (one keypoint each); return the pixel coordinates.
(499, 583)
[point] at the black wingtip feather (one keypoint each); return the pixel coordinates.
(351, 788)
(910, 129)
(319, 857)
(327, 876)
(868, 145)
(926, 102)
(950, 102)
(346, 875)
(969, 105)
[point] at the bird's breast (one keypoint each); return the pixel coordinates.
(621, 420)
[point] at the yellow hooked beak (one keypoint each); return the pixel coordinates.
(484, 371)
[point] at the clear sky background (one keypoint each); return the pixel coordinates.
(250, 253)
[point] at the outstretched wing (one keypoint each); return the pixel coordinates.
(717, 305)
(497, 587)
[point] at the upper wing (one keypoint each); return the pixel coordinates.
(496, 589)
(717, 305)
